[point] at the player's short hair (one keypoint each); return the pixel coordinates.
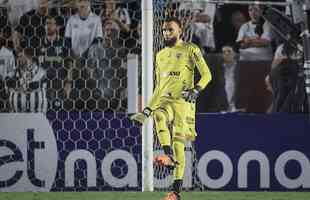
(174, 19)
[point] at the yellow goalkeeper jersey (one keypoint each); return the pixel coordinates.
(174, 70)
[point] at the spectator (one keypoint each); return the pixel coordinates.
(5, 26)
(237, 20)
(120, 16)
(7, 60)
(55, 59)
(18, 8)
(83, 29)
(283, 81)
(112, 45)
(203, 17)
(227, 25)
(220, 95)
(7, 67)
(283, 50)
(230, 75)
(255, 37)
(28, 85)
(295, 53)
(134, 44)
(109, 58)
(30, 30)
(288, 88)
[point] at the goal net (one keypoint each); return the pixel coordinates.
(163, 178)
(186, 12)
(85, 98)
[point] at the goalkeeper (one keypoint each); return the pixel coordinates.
(173, 102)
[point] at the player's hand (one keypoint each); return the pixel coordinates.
(141, 117)
(190, 95)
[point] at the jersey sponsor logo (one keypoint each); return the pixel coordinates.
(178, 55)
(171, 73)
(174, 73)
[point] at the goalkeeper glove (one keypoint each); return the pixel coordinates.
(141, 117)
(191, 95)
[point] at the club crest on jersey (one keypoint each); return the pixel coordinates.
(178, 55)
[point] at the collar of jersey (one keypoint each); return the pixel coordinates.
(179, 43)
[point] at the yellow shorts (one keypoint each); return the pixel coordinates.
(181, 117)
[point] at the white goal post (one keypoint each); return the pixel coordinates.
(147, 90)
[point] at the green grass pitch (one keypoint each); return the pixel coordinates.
(155, 196)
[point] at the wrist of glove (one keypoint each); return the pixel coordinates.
(191, 95)
(147, 111)
(141, 117)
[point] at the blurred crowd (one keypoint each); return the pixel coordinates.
(255, 69)
(68, 55)
(73, 56)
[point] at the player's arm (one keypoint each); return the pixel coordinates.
(142, 116)
(198, 60)
(157, 91)
(202, 67)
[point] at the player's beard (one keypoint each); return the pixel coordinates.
(170, 42)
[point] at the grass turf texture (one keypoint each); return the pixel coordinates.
(155, 196)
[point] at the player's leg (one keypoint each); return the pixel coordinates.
(183, 130)
(179, 156)
(162, 118)
(178, 144)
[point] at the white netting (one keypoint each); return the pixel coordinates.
(95, 82)
(84, 97)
